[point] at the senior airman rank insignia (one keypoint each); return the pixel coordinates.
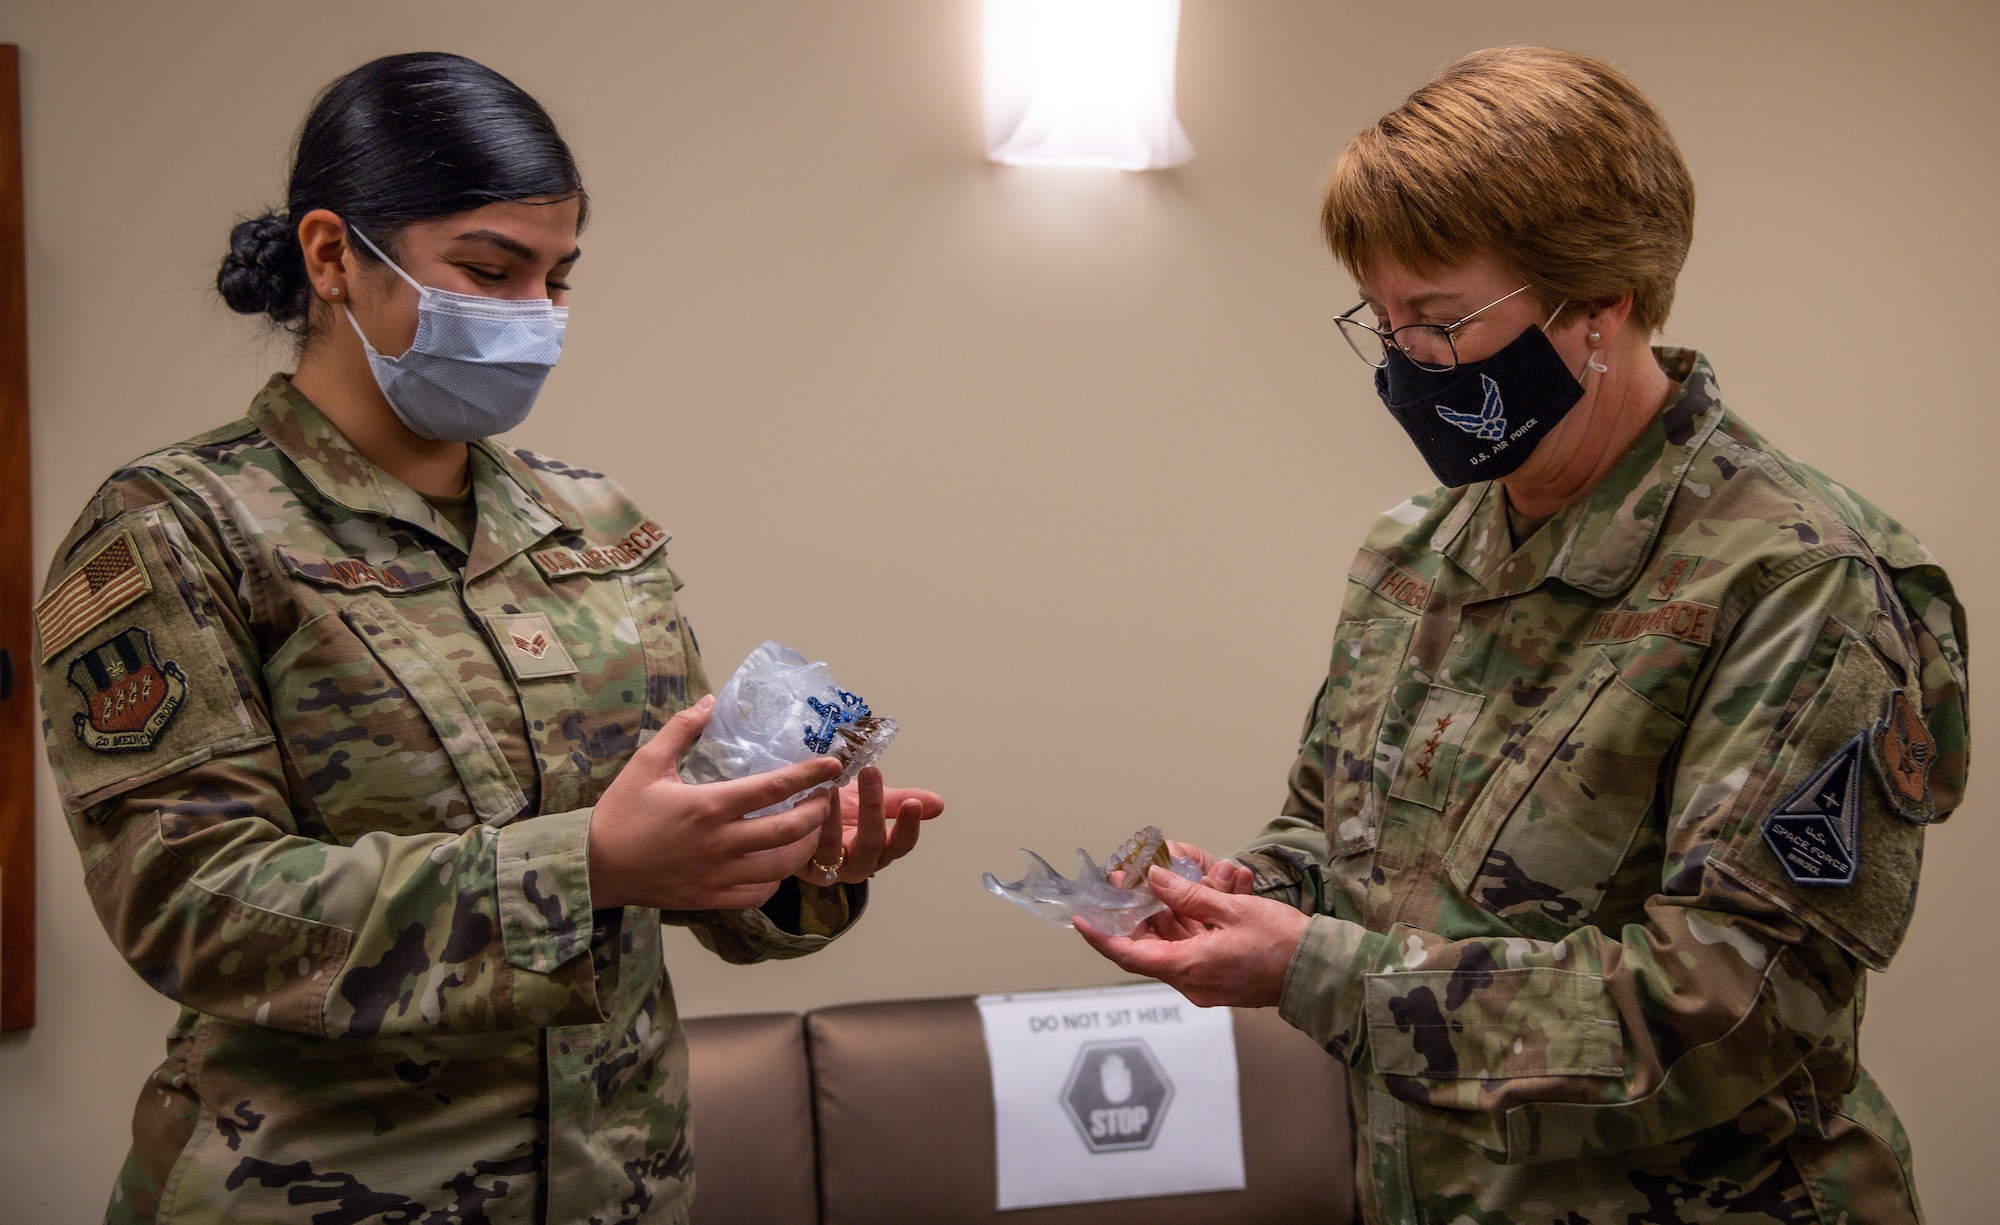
(529, 645)
(130, 694)
(1901, 750)
(1816, 831)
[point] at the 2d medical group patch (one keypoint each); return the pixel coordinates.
(129, 694)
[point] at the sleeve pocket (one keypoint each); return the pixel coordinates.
(1492, 1024)
(1870, 916)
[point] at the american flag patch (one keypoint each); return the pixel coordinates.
(107, 581)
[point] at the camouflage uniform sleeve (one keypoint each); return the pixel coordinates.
(800, 919)
(1743, 976)
(196, 860)
(1289, 856)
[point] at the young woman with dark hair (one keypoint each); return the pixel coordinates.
(367, 725)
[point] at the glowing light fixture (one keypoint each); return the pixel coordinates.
(1083, 83)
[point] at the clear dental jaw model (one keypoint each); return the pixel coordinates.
(781, 708)
(1118, 909)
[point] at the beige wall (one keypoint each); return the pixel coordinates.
(1063, 469)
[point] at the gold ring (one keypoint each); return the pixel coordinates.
(832, 873)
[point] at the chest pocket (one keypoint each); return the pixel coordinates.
(613, 606)
(1367, 656)
(1545, 839)
(650, 593)
(389, 727)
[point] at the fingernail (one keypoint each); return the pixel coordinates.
(707, 700)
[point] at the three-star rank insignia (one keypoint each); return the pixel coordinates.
(1815, 832)
(130, 694)
(1902, 749)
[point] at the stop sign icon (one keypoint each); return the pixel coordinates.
(1117, 1094)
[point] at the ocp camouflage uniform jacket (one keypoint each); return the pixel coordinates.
(330, 767)
(1571, 817)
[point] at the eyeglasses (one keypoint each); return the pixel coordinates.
(1428, 345)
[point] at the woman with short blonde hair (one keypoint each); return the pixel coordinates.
(1618, 780)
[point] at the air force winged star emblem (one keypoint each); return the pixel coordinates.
(1487, 424)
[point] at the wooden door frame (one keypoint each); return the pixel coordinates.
(20, 730)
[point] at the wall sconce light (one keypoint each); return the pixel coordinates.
(1083, 83)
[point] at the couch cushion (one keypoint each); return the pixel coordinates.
(904, 1107)
(751, 1098)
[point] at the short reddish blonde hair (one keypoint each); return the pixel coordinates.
(1551, 161)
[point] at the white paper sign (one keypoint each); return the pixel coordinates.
(1111, 1094)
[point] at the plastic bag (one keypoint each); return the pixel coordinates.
(779, 709)
(1118, 909)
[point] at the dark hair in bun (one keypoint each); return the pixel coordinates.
(401, 139)
(264, 272)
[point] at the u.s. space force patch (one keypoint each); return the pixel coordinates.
(1815, 832)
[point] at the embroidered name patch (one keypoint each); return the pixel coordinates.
(1815, 832)
(1682, 619)
(1411, 592)
(1902, 749)
(530, 646)
(129, 693)
(631, 549)
(1678, 569)
(107, 581)
(354, 574)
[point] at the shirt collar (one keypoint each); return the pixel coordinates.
(516, 509)
(1599, 542)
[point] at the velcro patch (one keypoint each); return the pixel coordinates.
(1902, 750)
(106, 581)
(129, 694)
(634, 547)
(1674, 574)
(1815, 831)
(531, 647)
(1683, 619)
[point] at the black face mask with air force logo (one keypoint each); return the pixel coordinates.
(1480, 421)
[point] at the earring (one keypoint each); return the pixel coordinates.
(1595, 337)
(334, 292)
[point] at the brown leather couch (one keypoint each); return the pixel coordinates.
(882, 1114)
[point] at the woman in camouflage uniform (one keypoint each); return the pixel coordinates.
(1618, 781)
(367, 725)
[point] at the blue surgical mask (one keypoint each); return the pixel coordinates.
(476, 363)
